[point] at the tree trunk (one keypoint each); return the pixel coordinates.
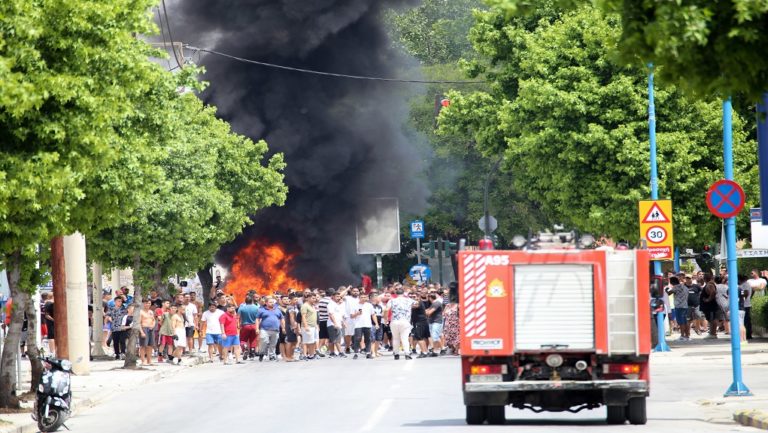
(206, 280)
(131, 353)
(33, 352)
(8, 379)
(59, 277)
(158, 283)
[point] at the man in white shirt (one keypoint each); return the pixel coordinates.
(335, 326)
(190, 312)
(364, 318)
(351, 305)
(213, 330)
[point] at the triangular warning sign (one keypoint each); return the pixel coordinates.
(655, 215)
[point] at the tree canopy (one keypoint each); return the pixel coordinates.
(571, 121)
(707, 46)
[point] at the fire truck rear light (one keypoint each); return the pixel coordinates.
(488, 369)
(623, 368)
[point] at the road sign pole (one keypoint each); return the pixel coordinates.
(737, 388)
(440, 260)
(379, 272)
(418, 250)
(652, 136)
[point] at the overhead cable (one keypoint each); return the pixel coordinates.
(329, 74)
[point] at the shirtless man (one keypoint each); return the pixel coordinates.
(198, 327)
(147, 341)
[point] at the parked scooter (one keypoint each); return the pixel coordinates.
(53, 403)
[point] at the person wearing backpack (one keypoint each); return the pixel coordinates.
(708, 305)
(695, 317)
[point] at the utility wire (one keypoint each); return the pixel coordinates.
(328, 74)
(162, 31)
(170, 35)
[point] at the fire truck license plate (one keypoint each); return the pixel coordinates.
(485, 378)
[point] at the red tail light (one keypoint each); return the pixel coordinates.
(623, 368)
(488, 369)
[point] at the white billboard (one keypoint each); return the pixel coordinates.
(378, 227)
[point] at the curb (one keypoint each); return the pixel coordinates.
(90, 402)
(752, 418)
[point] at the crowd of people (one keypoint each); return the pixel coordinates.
(700, 303)
(355, 322)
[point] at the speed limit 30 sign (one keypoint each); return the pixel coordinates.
(656, 234)
(656, 228)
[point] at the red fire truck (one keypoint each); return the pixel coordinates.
(554, 330)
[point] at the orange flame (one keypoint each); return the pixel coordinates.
(262, 267)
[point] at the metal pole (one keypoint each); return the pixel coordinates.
(737, 388)
(662, 345)
(418, 250)
(379, 272)
(486, 211)
(652, 136)
(440, 260)
(677, 260)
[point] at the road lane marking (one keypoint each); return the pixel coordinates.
(408, 366)
(377, 414)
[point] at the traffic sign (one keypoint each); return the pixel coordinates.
(420, 273)
(656, 228)
(656, 234)
(655, 215)
(725, 198)
(493, 224)
(417, 229)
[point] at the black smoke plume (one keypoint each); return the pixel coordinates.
(342, 138)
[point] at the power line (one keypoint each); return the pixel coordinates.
(170, 35)
(162, 31)
(328, 74)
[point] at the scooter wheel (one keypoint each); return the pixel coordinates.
(50, 423)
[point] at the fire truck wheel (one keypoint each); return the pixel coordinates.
(495, 415)
(636, 411)
(476, 415)
(616, 414)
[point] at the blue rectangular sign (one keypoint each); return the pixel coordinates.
(762, 154)
(417, 229)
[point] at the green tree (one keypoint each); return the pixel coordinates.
(70, 75)
(706, 46)
(436, 31)
(212, 180)
(571, 122)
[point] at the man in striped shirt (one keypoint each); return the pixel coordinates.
(322, 319)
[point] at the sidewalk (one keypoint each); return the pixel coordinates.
(699, 355)
(106, 379)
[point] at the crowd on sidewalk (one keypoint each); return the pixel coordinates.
(700, 303)
(355, 322)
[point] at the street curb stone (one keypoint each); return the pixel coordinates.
(752, 418)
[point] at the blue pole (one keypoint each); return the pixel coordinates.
(737, 388)
(662, 345)
(677, 260)
(652, 136)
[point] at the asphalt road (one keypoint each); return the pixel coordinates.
(383, 395)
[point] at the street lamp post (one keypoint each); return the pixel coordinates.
(486, 212)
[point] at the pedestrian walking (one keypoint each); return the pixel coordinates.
(249, 335)
(309, 332)
(146, 332)
(269, 320)
(179, 326)
(231, 339)
(365, 320)
(400, 309)
(212, 330)
(167, 332)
